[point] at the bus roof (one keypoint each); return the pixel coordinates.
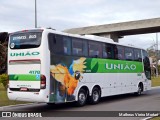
(88, 37)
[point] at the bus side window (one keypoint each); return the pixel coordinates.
(119, 52)
(95, 49)
(85, 48)
(66, 45)
(55, 43)
(77, 48)
(50, 42)
(104, 51)
(108, 51)
(137, 55)
(129, 53)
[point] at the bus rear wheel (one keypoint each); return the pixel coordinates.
(94, 98)
(82, 97)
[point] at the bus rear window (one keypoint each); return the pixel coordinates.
(25, 40)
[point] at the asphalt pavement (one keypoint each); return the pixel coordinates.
(148, 101)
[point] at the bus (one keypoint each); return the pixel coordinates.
(45, 65)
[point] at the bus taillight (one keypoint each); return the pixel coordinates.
(43, 82)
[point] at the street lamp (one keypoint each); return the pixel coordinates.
(157, 54)
(35, 13)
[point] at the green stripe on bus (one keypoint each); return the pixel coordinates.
(96, 65)
(24, 77)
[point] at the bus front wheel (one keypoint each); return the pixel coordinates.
(140, 90)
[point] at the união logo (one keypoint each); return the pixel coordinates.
(120, 66)
(24, 54)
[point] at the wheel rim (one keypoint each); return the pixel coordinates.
(95, 96)
(82, 98)
(139, 90)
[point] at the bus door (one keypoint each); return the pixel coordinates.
(58, 70)
(59, 91)
(57, 88)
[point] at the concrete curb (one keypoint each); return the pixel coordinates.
(155, 87)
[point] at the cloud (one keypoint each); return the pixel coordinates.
(59, 14)
(20, 13)
(142, 41)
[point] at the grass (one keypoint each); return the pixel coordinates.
(156, 81)
(155, 118)
(4, 101)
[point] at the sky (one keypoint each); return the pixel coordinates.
(65, 14)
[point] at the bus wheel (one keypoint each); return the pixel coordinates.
(94, 99)
(140, 89)
(82, 97)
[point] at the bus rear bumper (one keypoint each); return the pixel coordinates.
(28, 96)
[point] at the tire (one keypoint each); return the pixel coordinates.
(95, 97)
(82, 98)
(140, 89)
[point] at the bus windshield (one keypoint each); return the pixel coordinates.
(25, 40)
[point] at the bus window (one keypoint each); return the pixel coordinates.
(104, 51)
(95, 49)
(55, 43)
(51, 38)
(119, 52)
(77, 47)
(137, 55)
(129, 53)
(108, 51)
(85, 48)
(67, 45)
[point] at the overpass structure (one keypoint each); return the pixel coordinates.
(119, 30)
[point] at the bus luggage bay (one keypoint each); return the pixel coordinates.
(53, 67)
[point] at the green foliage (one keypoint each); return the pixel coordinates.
(3, 58)
(3, 80)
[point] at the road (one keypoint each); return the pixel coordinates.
(148, 101)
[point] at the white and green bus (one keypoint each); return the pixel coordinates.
(55, 67)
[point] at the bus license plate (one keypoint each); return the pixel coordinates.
(23, 89)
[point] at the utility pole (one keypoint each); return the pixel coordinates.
(35, 13)
(157, 54)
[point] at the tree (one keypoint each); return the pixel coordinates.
(3, 52)
(4, 80)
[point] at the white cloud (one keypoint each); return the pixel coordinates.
(142, 41)
(65, 14)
